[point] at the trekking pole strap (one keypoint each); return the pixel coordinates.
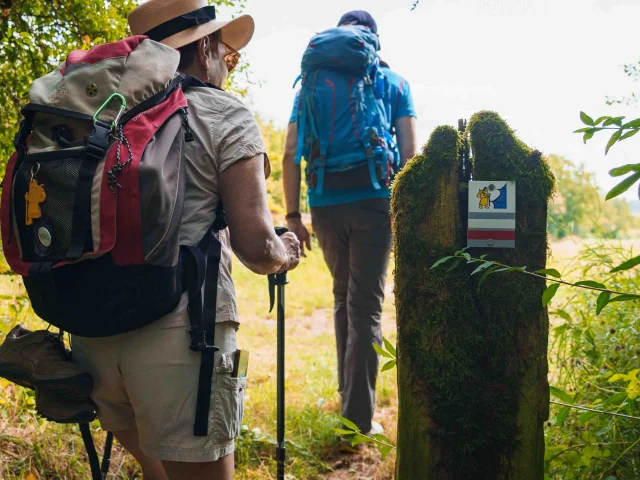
(94, 461)
(106, 458)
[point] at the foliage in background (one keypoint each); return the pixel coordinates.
(632, 70)
(578, 207)
(592, 357)
(274, 139)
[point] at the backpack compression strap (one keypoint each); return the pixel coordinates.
(202, 313)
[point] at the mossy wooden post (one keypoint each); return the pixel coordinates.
(472, 365)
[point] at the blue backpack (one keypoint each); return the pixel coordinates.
(344, 113)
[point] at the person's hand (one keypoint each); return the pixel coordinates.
(296, 226)
(292, 245)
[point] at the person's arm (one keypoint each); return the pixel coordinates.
(291, 170)
(291, 177)
(406, 135)
(253, 238)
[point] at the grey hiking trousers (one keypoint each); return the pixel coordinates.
(356, 241)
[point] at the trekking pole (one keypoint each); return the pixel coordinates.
(279, 280)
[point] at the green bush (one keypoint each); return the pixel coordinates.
(591, 357)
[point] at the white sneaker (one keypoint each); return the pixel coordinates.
(376, 429)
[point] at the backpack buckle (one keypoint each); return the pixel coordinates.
(199, 342)
(98, 142)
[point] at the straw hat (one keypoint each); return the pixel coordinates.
(177, 23)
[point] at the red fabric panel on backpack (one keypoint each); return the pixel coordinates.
(11, 248)
(139, 130)
(101, 52)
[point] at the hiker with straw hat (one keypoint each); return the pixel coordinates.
(147, 380)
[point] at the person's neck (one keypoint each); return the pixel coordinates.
(194, 72)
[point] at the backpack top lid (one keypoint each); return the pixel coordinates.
(136, 67)
(350, 48)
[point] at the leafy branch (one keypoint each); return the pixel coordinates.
(490, 267)
(350, 429)
(622, 131)
(383, 443)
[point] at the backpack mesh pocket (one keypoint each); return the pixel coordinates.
(51, 199)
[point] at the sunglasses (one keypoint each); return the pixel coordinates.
(232, 58)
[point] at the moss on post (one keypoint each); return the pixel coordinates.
(472, 363)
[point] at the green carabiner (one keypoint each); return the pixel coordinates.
(123, 105)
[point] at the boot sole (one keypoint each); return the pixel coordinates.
(15, 374)
(82, 417)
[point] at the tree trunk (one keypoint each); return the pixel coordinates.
(472, 366)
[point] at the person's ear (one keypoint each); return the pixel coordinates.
(204, 54)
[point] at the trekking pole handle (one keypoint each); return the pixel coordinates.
(276, 278)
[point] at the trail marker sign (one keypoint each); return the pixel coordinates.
(492, 214)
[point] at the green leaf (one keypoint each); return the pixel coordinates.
(623, 170)
(629, 134)
(552, 272)
(454, 264)
(562, 415)
(587, 136)
(562, 314)
(614, 138)
(482, 267)
(341, 431)
(384, 450)
(603, 300)
(625, 298)
(360, 439)
(628, 265)
(586, 119)
(440, 262)
(623, 186)
(389, 365)
(613, 121)
(467, 256)
(560, 394)
(381, 438)
(349, 424)
(589, 283)
(549, 293)
(380, 351)
(511, 269)
(632, 124)
(390, 348)
(485, 275)
(561, 329)
(588, 334)
(599, 120)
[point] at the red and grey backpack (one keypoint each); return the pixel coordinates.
(92, 199)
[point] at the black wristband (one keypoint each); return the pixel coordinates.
(292, 215)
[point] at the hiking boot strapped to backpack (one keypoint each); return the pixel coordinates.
(92, 200)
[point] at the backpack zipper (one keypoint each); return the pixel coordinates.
(188, 135)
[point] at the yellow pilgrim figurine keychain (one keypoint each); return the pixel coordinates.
(34, 197)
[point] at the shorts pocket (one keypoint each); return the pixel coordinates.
(229, 407)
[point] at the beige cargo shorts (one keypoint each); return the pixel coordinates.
(148, 379)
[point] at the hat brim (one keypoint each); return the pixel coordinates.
(236, 33)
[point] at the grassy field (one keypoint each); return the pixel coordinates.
(32, 448)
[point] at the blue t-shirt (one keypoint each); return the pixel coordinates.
(401, 106)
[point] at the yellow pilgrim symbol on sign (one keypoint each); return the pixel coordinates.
(484, 197)
(34, 197)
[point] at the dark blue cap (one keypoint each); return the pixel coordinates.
(360, 17)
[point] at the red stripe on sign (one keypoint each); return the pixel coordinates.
(491, 234)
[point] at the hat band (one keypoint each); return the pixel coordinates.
(181, 23)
